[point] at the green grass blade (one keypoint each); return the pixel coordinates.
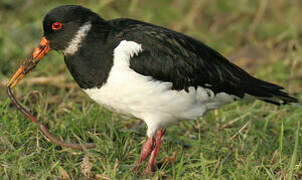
(294, 155)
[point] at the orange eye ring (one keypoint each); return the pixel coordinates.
(56, 26)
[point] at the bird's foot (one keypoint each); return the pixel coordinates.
(146, 151)
(150, 148)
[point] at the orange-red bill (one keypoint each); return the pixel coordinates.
(37, 55)
(42, 50)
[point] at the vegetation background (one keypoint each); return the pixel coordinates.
(243, 140)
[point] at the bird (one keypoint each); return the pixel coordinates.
(148, 72)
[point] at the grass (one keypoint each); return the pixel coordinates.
(243, 140)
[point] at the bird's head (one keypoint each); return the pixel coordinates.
(64, 29)
(63, 24)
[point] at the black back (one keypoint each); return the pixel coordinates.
(167, 56)
(170, 56)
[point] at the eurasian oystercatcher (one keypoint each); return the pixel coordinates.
(146, 71)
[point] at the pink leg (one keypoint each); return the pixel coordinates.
(152, 160)
(146, 151)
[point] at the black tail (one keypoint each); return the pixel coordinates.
(269, 92)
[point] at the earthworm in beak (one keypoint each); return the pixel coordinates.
(30, 62)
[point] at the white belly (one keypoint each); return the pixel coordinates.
(135, 96)
(132, 94)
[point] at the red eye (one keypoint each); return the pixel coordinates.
(56, 26)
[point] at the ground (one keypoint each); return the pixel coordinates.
(244, 140)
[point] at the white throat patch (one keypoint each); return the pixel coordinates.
(75, 43)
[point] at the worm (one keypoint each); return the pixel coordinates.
(44, 129)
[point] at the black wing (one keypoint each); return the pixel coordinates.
(174, 57)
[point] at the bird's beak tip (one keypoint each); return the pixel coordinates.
(30, 63)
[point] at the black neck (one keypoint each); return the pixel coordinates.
(91, 64)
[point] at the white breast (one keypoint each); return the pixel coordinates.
(132, 94)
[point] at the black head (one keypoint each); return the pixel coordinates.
(61, 26)
(62, 23)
